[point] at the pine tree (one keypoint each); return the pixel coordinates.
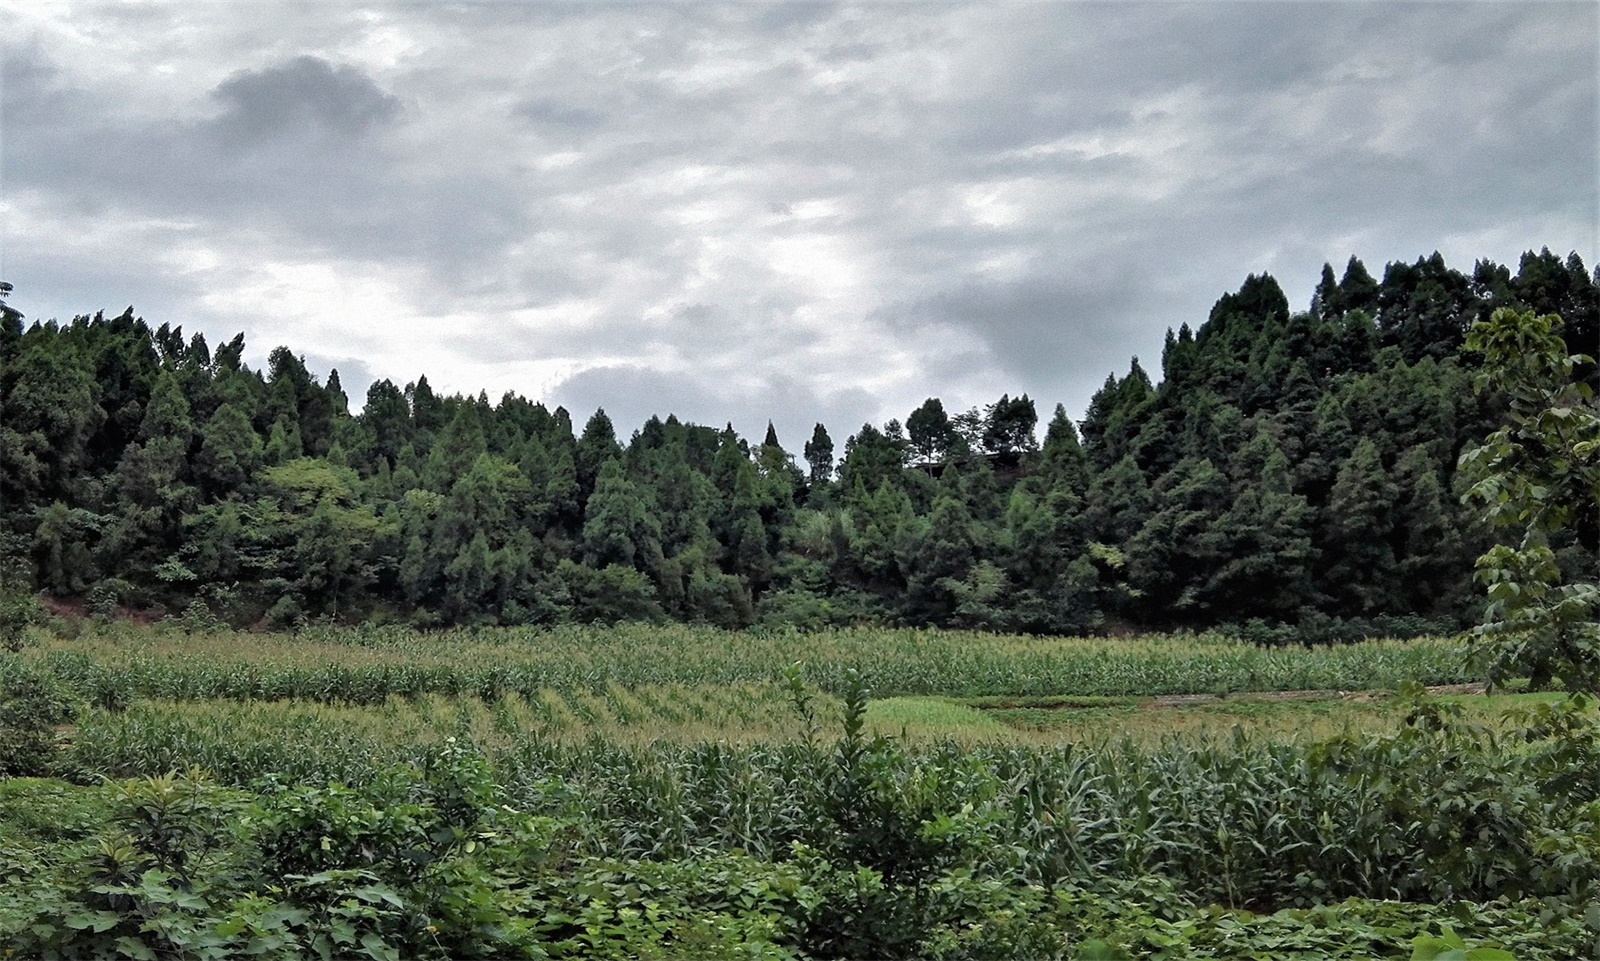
(230, 451)
(1118, 503)
(938, 555)
(427, 411)
(151, 482)
(1063, 463)
(619, 526)
(597, 445)
(871, 459)
(1431, 538)
(52, 411)
(1172, 554)
(388, 416)
(819, 457)
(1263, 552)
(1358, 290)
(1354, 536)
(456, 450)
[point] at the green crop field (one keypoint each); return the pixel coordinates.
(688, 792)
(356, 666)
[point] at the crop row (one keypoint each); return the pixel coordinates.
(1239, 821)
(355, 667)
(743, 712)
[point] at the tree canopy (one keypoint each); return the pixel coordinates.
(1279, 467)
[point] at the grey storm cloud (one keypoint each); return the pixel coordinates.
(798, 211)
(304, 96)
(1036, 326)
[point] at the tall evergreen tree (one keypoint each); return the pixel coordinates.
(1173, 553)
(1264, 552)
(619, 526)
(1358, 290)
(871, 459)
(938, 555)
(152, 480)
(1063, 462)
(1433, 539)
(1424, 308)
(1116, 415)
(597, 445)
(388, 416)
(230, 451)
(1118, 503)
(819, 457)
(1354, 536)
(456, 450)
(52, 411)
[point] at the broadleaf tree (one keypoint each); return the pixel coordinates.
(1539, 476)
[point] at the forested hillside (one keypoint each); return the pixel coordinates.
(1289, 467)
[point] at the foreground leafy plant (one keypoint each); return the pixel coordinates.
(1540, 476)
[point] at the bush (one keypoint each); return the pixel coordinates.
(18, 606)
(719, 599)
(611, 594)
(32, 703)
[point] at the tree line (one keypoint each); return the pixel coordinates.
(1286, 468)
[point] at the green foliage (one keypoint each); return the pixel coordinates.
(1009, 426)
(851, 846)
(819, 458)
(929, 430)
(33, 703)
(1540, 476)
(129, 454)
(609, 595)
(19, 608)
(335, 665)
(1119, 921)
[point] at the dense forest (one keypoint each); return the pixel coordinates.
(1288, 467)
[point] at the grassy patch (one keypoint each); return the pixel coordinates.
(1290, 719)
(1047, 702)
(932, 717)
(51, 811)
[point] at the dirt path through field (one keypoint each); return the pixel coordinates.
(1183, 700)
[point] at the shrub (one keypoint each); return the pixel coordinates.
(33, 703)
(18, 606)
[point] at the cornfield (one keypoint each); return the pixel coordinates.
(679, 745)
(368, 666)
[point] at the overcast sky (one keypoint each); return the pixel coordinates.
(794, 211)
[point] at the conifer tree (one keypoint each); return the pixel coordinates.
(1063, 462)
(1263, 551)
(597, 445)
(388, 416)
(456, 450)
(1354, 535)
(619, 526)
(1173, 552)
(939, 554)
(230, 451)
(819, 457)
